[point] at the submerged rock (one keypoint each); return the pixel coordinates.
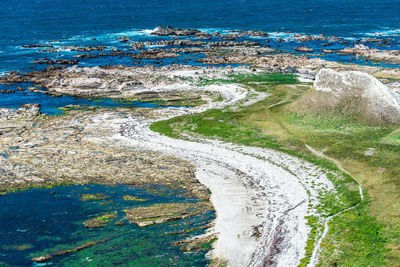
(304, 49)
(133, 198)
(43, 258)
(48, 257)
(197, 244)
(355, 93)
(98, 196)
(165, 212)
(100, 221)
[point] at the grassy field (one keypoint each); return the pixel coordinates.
(368, 235)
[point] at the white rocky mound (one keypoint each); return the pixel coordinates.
(356, 93)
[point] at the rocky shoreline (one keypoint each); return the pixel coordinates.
(47, 151)
(102, 146)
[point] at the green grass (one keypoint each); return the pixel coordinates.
(313, 222)
(275, 78)
(360, 237)
(272, 123)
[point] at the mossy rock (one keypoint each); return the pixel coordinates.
(100, 221)
(165, 212)
(133, 198)
(98, 196)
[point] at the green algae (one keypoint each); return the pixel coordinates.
(100, 221)
(128, 244)
(133, 198)
(271, 124)
(164, 212)
(20, 247)
(98, 196)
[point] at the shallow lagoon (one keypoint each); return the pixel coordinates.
(40, 221)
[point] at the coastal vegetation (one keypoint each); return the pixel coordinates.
(365, 235)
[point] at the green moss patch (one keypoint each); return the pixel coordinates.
(370, 153)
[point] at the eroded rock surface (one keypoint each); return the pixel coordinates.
(165, 212)
(41, 150)
(355, 93)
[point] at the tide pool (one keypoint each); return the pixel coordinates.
(40, 221)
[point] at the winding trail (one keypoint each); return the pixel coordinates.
(261, 196)
(317, 247)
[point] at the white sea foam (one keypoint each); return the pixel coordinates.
(253, 189)
(382, 33)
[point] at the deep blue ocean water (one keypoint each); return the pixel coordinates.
(36, 21)
(36, 221)
(76, 22)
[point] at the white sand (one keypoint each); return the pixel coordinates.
(259, 195)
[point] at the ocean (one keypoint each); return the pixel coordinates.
(99, 22)
(92, 23)
(36, 21)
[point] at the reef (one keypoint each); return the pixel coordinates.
(262, 197)
(166, 212)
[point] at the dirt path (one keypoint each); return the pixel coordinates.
(317, 247)
(260, 196)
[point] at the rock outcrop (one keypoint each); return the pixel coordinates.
(355, 93)
(167, 31)
(372, 54)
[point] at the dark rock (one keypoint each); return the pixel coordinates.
(89, 48)
(58, 61)
(52, 50)
(230, 43)
(86, 56)
(303, 49)
(154, 54)
(137, 46)
(123, 38)
(36, 46)
(167, 31)
(179, 43)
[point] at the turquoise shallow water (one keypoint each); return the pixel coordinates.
(50, 104)
(76, 22)
(38, 221)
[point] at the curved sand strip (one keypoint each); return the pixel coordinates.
(260, 195)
